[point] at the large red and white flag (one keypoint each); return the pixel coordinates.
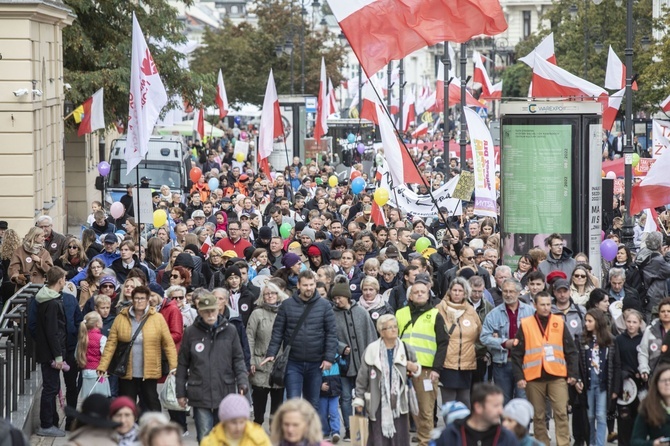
(551, 81)
(383, 30)
(221, 97)
(322, 106)
(199, 116)
(654, 189)
(91, 114)
(484, 164)
(408, 111)
(665, 105)
(399, 162)
(545, 51)
(613, 105)
(271, 125)
(332, 99)
(370, 100)
(652, 216)
(480, 76)
(146, 100)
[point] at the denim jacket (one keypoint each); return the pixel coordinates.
(497, 323)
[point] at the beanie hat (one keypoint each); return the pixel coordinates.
(294, 245)
(340, 289)
(109, 279)
(192, 247)
(234, 406)
(184, 259)
(309, 232)
(519, 410)
(299, 226)
(313, 251)
(265, 233)
(232, 271)
(290, 259)
(555, 275)
(454, 410)
(121, 402)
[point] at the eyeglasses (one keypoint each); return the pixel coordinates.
(73, 247)
(271, 293)
(216, 255)
(579, 276)
(139, 299)
(107, 285)
(175, 276)
(665, 381)
(178, 297)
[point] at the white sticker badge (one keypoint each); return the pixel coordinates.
(375, 315)
(466, 323)
(373, 374)
(29, 260)
(352, 287)
(199, 347)
(653, 347)
(244, 307)
(54, 245)
(574, 323)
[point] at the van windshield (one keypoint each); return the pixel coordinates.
(160, 173)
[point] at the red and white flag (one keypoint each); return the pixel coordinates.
(551, 81)
(420, 130)
(613, 105)
(650, 225)
(271, 125)
(408, 111)
(206, 246)
(377, 215)
(545, 51)
(615, 75)
(199, 116)
(383, 30)
(322, 106)
(91, 114)
(332, 99)
(665, 105)
(654, 189)
(480, 76)
(221, 97)
(436, 99)
(146, 100)
(399, 162)
(370, 100)
(484, 164)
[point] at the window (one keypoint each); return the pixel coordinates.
(526, 24)
(234, 9)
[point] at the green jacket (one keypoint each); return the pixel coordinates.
(644, 434)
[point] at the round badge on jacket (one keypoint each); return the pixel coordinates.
(54, 245)
(199, 347)
(466, 323)
(29, 260)
(244, 307)
(574, 323)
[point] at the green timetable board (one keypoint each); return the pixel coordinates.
(537, 178)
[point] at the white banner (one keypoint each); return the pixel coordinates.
(420, 205)
(484, 165)
(660, 135)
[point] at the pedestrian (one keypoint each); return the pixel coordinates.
(54, 242)
(235, 427)
(74, 260)
(89, 351)
(517, 416)
(627, 347)
(30, 261)
(382, 380)
(652, 425)
(93, 424)
(124, 412)
(654, 267)
(372, 301)
(651, 344)
(329, 401)
(559, 258)
(296, 422)
(90, 285)
(177, 294)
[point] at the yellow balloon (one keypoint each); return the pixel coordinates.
(240, 157)
(333, 181)
(160, 218)
(381, 196)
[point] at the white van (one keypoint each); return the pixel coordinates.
(166, 163)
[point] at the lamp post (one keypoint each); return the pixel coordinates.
(463, 140)
(627, 233)
(498, 44)
(574, 10)
(401, 80)
(446, 61)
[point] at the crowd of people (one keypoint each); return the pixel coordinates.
(290, 271)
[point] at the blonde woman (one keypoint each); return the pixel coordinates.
(296, 423)
(30, 261)
(174, 252)
(10, 242)
(126, 291)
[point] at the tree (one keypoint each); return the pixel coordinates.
(97, 49)
(575, 40)
(245, 53)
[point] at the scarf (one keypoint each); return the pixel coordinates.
(390, 387)
(378, 301)
(273, 308)
(74, 261)
(32, 249)
(455, 310)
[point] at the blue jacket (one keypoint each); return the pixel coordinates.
(73, 315)
(497, 323)
(105, 257)
(452, 435)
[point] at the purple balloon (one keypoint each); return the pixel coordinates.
(104, 168)
(361, 148)
(608, 249)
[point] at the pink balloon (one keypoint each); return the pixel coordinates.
(602, 235)
(117, 210)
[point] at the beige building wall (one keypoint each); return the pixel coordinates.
(31, 125)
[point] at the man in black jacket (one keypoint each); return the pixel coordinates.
(51, 348)
(317, 335)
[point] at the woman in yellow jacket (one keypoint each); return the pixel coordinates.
(463, 327)
(144, 361)
(235, 427)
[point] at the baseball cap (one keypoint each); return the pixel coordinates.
(244, 177)
(392, 252)
(479, 252)
(208, 302)
(561, 283)
(198, 214)
(422, 278)
(110, 238)
(230, 254)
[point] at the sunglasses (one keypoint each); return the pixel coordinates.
(579, 276)
(470, 258)
(175, 276)
(178, 297)
(107, 285)
(73, 247)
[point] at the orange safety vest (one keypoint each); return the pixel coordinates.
(544, 349)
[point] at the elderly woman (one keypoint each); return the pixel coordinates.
(388, 275)
(463, 326)
(211, 365)
(124, 411)
(30, 261)
(381, 385)
(297, 423)
(355, 331)
(178, 294)
(144, 362)
(259, 333)
(372, 301)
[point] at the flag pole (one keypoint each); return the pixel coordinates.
(137, 211)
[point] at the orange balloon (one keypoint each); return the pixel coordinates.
(355, 174)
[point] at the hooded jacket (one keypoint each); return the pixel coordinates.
(51, 327)
(356, 331)
(565, 263)
(325, 255)
(655, 270)
(254, 435)
(495, 436)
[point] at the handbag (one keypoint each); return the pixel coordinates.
(168, 395)
(118, 366)
(278, 371)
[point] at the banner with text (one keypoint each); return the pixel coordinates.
(484, 165)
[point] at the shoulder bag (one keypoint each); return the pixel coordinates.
(281, 361)
(118, 366)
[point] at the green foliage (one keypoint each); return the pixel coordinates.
(246, 53)
(97, 49)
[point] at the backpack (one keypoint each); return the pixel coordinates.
(11, 436)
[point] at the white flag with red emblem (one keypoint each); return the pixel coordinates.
(271, 125)
(146, 100)
(322, 106)
(221, 97)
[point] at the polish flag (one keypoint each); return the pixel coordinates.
(395, 106)
(665, 105)
(383, 30)
(480, 76)
(544, 51)
(377, 215)
(322, 106)
(91, 114)
(615, 75)
(271, 125)
(332, 100)
(408, 111)
(206, 246)
(221, 97)
(551, 81)
(436, 99)
(420, 130)
(399, 162)
(613, 105)
(652, 216)
(146, 99)
(654, 189)
(370, 100)
(199, 117)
